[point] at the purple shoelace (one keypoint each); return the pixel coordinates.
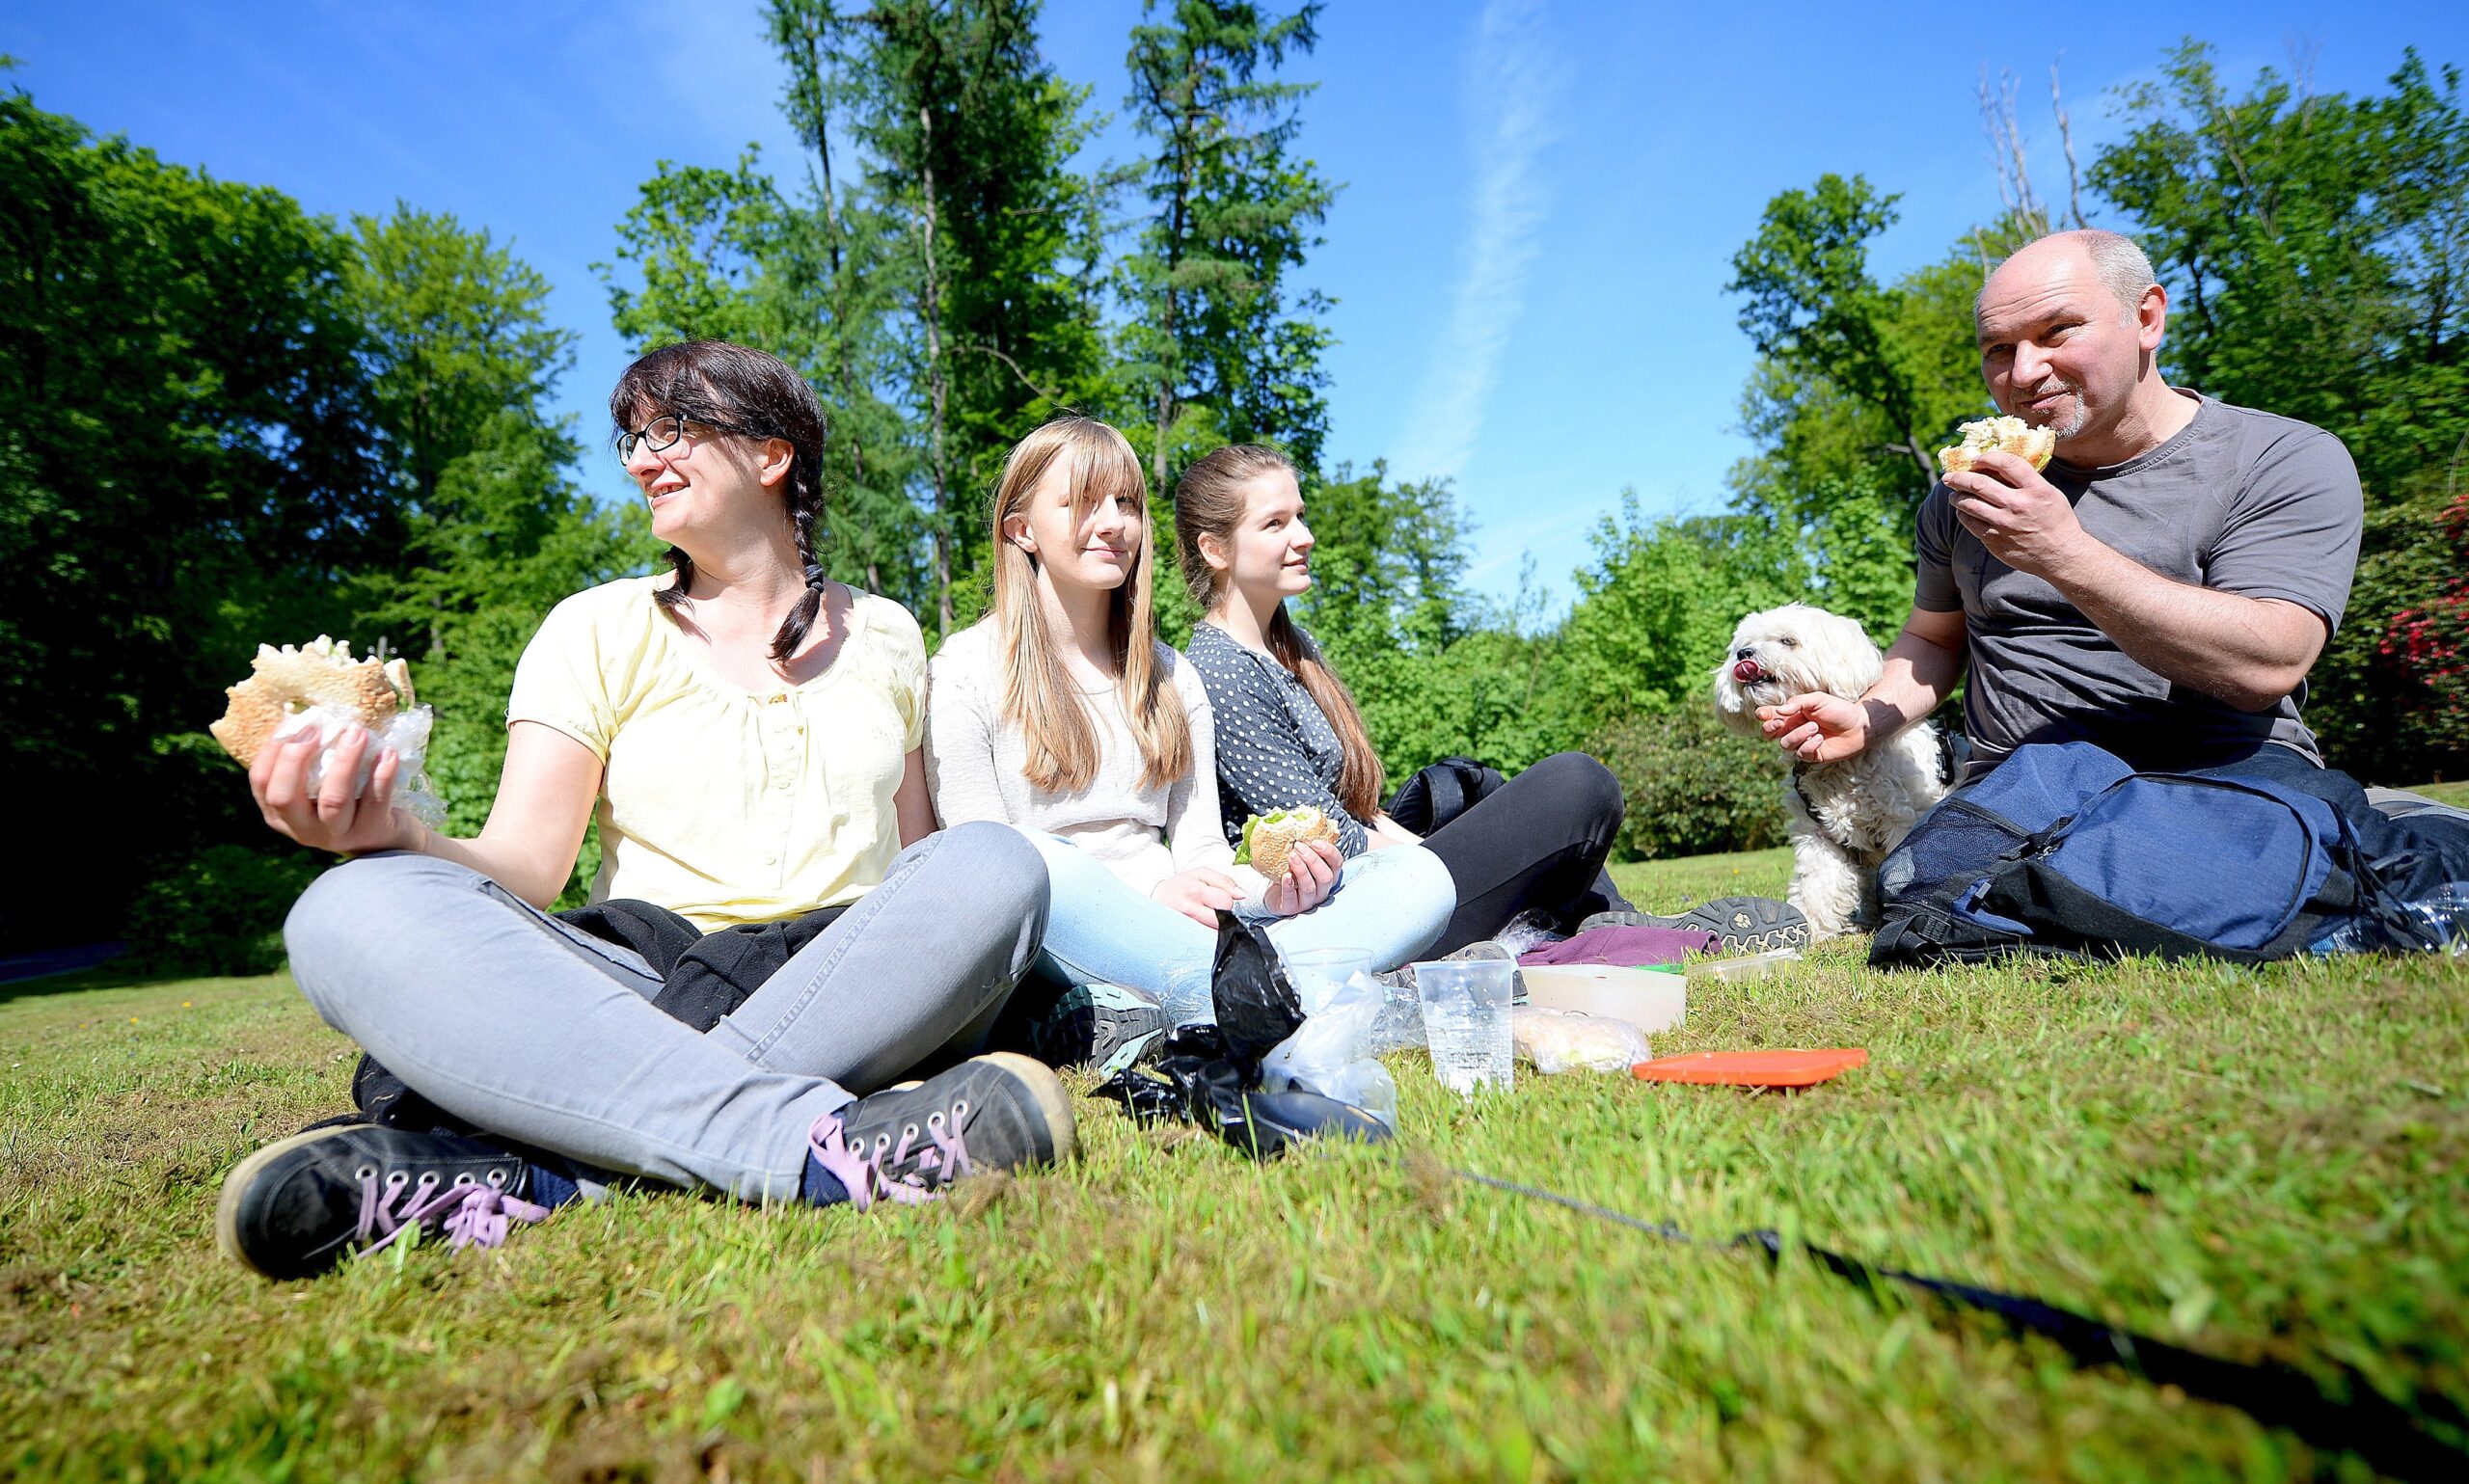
(862, 1171)
(471, 1214)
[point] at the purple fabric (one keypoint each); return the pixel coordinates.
(1625, 947)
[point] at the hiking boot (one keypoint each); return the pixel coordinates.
(1104, 1028)
(1000, 1111)
(1740, 924)
(303, 1204)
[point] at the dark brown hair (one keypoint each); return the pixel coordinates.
(738, 389)
(1210, 501)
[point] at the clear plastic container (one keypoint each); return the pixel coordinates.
(1466, 1023)
(1746, 967)
(2443, 918)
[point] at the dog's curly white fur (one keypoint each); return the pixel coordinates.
(1847, 815)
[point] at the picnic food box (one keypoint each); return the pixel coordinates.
(1653, 1000)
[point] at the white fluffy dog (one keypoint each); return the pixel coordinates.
(1847, 815)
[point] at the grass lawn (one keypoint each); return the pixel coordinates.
(2258, 1163)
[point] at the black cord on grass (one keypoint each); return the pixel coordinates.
(2386, 1435)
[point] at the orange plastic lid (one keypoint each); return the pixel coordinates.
(1754, 1068)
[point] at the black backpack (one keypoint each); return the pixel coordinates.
(1440, 793)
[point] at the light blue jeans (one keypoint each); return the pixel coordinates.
(1391, 903)
(535, 1029)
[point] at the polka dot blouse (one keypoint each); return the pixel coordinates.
(1275, 747)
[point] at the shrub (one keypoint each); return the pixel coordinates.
(1692, 786)
(220, 910)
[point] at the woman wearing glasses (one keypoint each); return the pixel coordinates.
(748, 733)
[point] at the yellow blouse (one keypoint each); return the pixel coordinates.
(723, 805)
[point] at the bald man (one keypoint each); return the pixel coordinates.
(2161, 590)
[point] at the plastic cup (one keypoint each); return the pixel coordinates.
(1465, 1021)
(1318, 973)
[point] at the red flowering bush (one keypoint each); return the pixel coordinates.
(2428, 647)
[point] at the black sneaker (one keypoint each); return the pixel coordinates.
(1000, 1111)
(1740, 924)
(1104, 1028)
(302, 1204)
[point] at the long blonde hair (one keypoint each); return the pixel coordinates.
(1210, 501)
(1056, 729)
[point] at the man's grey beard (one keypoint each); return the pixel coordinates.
(2073, 426)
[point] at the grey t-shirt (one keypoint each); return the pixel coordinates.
(2239, 501)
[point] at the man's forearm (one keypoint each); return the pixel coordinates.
(1919, 672)
(2248, 651)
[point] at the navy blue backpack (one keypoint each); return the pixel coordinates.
(2064, 849)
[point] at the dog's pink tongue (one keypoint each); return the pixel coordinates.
(1747, 671)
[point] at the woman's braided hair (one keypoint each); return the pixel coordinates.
(738, 389)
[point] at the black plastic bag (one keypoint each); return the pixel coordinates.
(1211, 1074)
(1257, 1003)
(1211, 1092)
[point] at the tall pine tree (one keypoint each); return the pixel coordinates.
(970, 134)
(1220, 346)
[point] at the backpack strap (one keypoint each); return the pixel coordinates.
(1447, 786)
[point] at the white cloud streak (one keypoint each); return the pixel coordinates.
(1512, 87)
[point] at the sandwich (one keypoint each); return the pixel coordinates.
(1267, 838)
(2002, 435)
(319, 684)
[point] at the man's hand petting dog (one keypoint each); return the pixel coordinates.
(1822, 728)
(2025, 522)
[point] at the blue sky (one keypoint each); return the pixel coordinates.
(1540, 197)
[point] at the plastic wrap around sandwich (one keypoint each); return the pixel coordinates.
(320, 685)
(1268, 837)
(1998, 435)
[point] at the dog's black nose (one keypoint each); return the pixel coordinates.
(1745, 652)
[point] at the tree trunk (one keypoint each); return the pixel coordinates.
(1178, 222)
(938, 389)
(840, 320)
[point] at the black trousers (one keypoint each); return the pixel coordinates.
(2415, 853)
(1536, 844)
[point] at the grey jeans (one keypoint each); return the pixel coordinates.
(508, 1017)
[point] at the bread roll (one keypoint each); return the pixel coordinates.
(294, 678)
(2005, 435)
(1268, 838)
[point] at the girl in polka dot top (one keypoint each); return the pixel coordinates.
(1289, 733)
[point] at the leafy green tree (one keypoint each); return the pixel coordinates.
(458, 329)
(969, 133)
(464, 357)
(841, 276)
(1856, 385)
(1658, 603)
(1814, 309)
(1437, 673)
(700, 238)
(941, 303)
(2316, 247)
(2317, 251)
(724, 254)
(1218, 346)
(194, 448)
(1854, 378)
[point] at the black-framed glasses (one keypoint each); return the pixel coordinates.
(663, 433)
